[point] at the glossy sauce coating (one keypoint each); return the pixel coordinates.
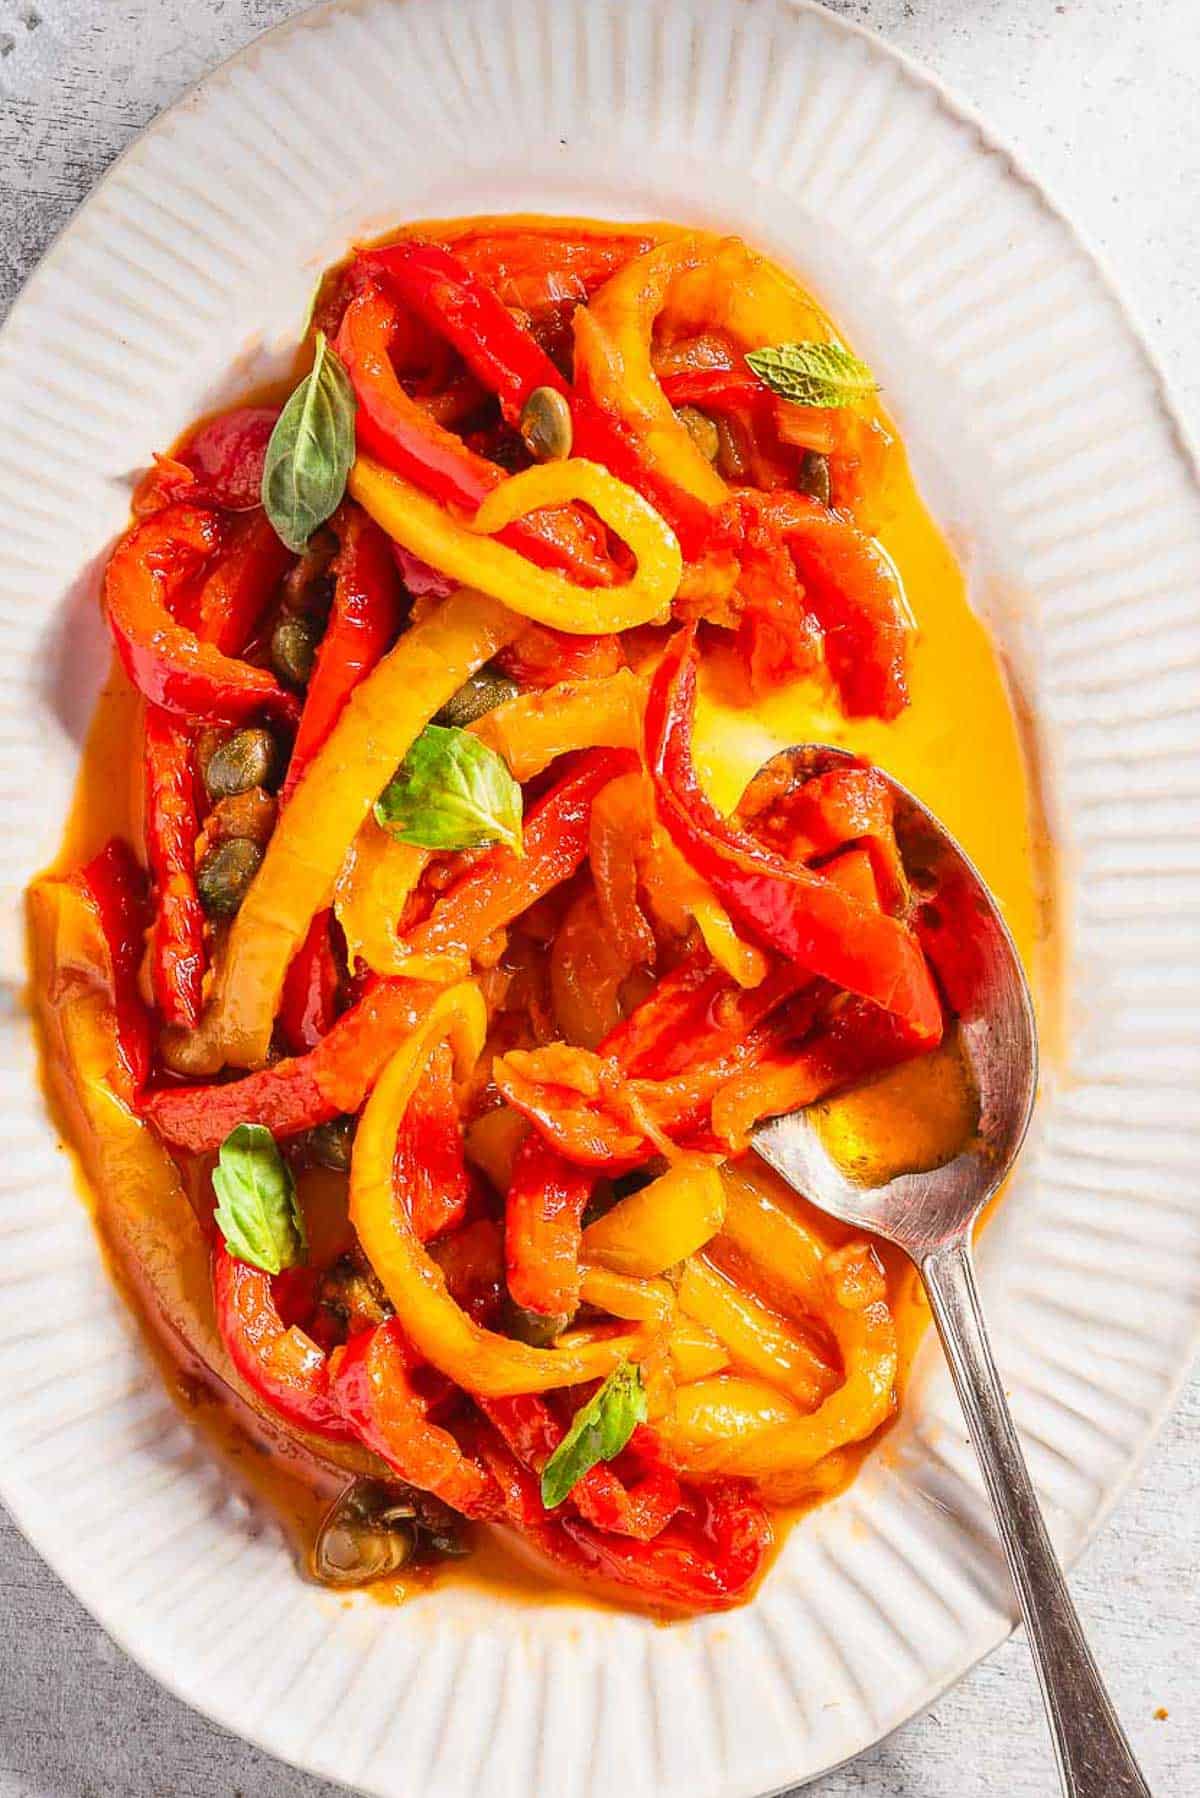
(957, 747)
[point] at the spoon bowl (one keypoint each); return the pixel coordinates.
(930, 1215)
(989, 994)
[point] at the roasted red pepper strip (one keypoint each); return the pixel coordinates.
(716, 389)
(177, 957)
(782, 905)
(308, 1004)
(281, 1364)
(854, 592)
(706, 1559)
(366, 614)
(443, 292)
(637, 1495)
(115, 886)
(430, 1172)
(168, 664)
(225, 613)
(542, 1225)
(373, 1384)
(511, 363)
(535, 269)
(850, 804)
(219, 464)
(242, 585)
(393, 428)
(500, 886)
(695, 1014)
(693, 1033)
(226, 455)
(302, 1091)
(336, 1075)
(642, 1510)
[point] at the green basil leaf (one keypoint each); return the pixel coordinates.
(452, 792)
(257, 1211)
(813, 374)
(311, 450)
(599, 1431)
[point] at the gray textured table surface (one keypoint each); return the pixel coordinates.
(1101, 98)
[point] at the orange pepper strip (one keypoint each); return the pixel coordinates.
(479, 1360)
(376, 728)
(623, 1296)
(532, 729)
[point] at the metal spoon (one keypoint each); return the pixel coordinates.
(930, 1216)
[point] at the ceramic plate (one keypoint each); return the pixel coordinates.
(1041, 436)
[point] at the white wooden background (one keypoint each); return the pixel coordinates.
(1101, 98)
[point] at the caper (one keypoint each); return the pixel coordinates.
(481, 693)
(294, 647)
(701, 429)
(546, 429)
(374, 1529)
(346, 1557)
(249, 758)
(814, 476)
(329, 1145)
(223, 877)
(536, 1328)
(731, 450)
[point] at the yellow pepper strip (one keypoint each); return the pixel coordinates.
(477, 1359)
(661, 1224)
(717, 1421)
(769, 1233)
(645, 1301)
(467, 552)
(532, 729)
(844, 1288)
(143, 1212)
(613, 338)
(695, 1352)
(377, 877)
(376, 729)
(757, 1337)
(864, 1401)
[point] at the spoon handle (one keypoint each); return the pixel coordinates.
(1094, 1758)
